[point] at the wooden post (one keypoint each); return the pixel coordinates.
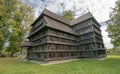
(21, 55)
(0, 17)
(56, 54)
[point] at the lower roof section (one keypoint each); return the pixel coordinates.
(27, 44)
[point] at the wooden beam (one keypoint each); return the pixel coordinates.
(21, 54)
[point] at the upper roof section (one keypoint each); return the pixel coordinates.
(63, 20)
(81, 18)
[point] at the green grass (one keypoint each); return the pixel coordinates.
(111, 65)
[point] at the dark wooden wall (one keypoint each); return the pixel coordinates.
(90, 38)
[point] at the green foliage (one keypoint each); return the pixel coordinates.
(3, 25)
(113, 51)
(68, 15)
(15, 21)
(114, 25)
(111, 65)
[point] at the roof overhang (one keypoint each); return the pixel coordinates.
(27, 44)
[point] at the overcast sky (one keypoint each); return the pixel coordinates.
(99, 8)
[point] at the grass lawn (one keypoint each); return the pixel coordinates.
(111, 65)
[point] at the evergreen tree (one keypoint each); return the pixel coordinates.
(15, 21)
(68, 15)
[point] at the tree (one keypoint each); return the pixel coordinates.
(16, 19)
(114, 25)
(3, 25)
(68, 15)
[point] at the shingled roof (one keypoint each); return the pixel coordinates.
(60, 23)
(56, 17)
(81, 18)
(65, 21)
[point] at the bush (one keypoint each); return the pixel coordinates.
(2, 55)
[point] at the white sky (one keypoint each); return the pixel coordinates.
(99, 8)
(106, 39)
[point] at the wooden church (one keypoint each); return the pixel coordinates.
(54, 38)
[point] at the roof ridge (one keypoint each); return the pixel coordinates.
(55, 16)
